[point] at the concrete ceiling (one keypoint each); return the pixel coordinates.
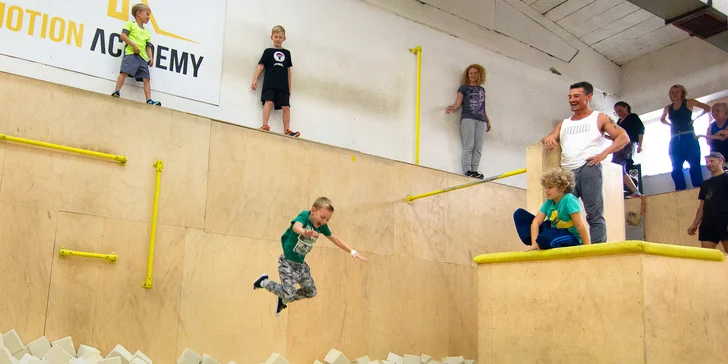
(618, 29)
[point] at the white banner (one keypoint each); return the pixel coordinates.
(83, 36)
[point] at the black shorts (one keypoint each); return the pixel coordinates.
(713, 229)
(280, 98)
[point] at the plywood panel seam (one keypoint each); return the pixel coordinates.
(50, 276)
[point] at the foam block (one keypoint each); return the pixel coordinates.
(411, 359)
(232, 362)
(453, 360)
(424, 358)
(94, 358)
(30, 359)
(362, 360)
(317, 362)
(11, 340)
(20, 354)
(335, 357)
(56, 355)
(189, 357)
(470, 362)
(78, 361)
(276, 358)
(2, 342)
(394, 358)
(121, 353)
(375, 362)
(136, 360)
(85, 351)
(434, 362)
(66, 344)
(112, 360)
(39, 347)
(206, 359)
(5, 356)
(143, 357)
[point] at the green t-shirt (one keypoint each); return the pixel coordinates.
(295, 247)
(139, 36)
(560, 213)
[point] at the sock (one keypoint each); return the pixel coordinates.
(264, 283)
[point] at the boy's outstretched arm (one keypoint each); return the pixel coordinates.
(256, 76)
(341, 244)
(581, 228)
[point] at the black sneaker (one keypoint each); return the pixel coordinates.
(469, 173)
(280, 306)
(260, 280)
(478, 175)
(115, 94)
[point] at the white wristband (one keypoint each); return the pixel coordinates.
(353, 252)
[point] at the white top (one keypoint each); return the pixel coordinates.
(580, 140)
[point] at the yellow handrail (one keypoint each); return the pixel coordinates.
(488, 179)
(112, 257)
(148, 282)
(418, 51)
(119, 158)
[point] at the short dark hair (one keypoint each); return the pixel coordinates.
(625, 105)
(588, 88)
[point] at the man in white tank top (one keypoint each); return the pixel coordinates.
(579, 137)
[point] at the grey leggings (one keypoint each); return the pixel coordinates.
(472, 133)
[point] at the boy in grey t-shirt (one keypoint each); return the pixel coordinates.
(635, 229)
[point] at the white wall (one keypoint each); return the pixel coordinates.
(696, 64)
(354, 82)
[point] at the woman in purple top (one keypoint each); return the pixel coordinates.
(474, 122)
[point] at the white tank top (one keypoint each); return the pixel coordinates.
(580, 140)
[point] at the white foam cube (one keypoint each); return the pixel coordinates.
(57, 355)
(2, 342)
(317, 362)
(30, 359)
(470, 362)
(20, 354)
(232, 362)
(335, 357)
(453, 360)
(143, 357)
(136, 360)
(11, 340)
(189, 357)
(362, 360)
(85, 351)
(112, 360)
(434, 362)
(120, 352)
(424, 358)
(394, 358)
(276, 358)
(78, 361)
(66, 344)
(411, 359)
(206, 359)
(375, 362)
(5, 356)
(39, 347)
(94, 358)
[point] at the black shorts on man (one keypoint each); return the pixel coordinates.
(713, 229)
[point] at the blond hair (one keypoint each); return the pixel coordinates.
(278, 29)
(682, 88)
(139, 7)
(323, 202)
(481, 72)
(633, 218)
(559, 178)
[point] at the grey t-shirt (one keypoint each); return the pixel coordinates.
(636, 232)
(473, 102)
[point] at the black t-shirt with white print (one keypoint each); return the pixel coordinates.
(276, 62)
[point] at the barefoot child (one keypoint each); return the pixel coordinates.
(564, 226)
(137, 52)
(298, 241)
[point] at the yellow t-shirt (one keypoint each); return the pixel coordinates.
(139, 36)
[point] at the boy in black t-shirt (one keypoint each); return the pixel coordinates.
(277, 81)
(712, 214)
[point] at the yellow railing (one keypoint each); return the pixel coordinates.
(112, 257)
(488, 179)
(148, 282)
(418, 51)
(119, 158)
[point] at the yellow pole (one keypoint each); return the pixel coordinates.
(112, 257)
(488, 179)
(418, 51)
(119, 158)
(148, 282)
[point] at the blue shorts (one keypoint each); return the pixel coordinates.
(135, 66)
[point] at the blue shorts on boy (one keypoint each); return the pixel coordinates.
(135, 66)
(557, 230)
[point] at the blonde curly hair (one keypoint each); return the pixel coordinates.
(559, 178)
(633, 218)
(481, 71)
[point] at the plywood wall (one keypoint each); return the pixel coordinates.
(227, 195)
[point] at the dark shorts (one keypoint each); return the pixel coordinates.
(280, 98)
(714, 229)
(135, 66)
(623, 156)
